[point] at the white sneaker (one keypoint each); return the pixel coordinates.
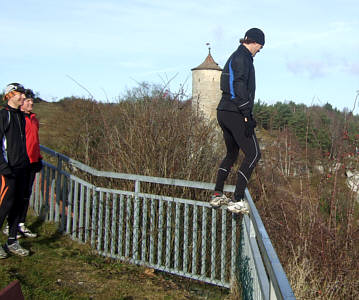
(3, 253)
(24, 231)
(218, 199)
(240, 207)
(6, 232)
(16, 249)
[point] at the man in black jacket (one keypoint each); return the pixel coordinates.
(234, 115)
(14, 164)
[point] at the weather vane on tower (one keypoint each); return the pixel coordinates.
(209, 47)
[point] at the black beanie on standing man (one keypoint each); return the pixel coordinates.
(255, 35)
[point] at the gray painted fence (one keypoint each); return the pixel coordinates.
(180, 236)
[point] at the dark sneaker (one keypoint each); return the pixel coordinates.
(3, 253)
(16, 249)
(218, 199)
(24, 231)
(240, 207)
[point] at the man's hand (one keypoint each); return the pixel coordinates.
(36, 166)
(249, 125)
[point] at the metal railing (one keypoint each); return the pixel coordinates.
(185, 237)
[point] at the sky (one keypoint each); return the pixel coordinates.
(107, 47)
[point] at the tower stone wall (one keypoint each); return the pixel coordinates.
(206, 91)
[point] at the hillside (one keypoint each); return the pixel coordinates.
(309, 212)
(51, 134)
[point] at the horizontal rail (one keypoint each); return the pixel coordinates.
(133, 177)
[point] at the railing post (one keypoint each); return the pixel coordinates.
(38, 193)
(64, 205)
(51, 199)
(137, 188)
(107, 223)
(69, 207)
(113, 225)
(136, 212)
(58, 186)
(75, 211)
(100, 221)
(121, 232)
(94, 217)
(272, 295)
(87, 219)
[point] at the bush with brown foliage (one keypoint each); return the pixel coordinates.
(311, 218)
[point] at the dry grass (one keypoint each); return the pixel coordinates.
(59, 268)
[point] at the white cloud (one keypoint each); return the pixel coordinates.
(324, 65)
(312, 68)
(353, 69)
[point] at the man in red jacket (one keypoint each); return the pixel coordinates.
(33, 151)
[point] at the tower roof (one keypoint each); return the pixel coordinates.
(208, 64)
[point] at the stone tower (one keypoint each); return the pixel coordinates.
(206, 91)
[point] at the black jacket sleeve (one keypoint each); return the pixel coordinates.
(4, 167)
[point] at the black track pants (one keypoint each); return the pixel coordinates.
(232, 124)
(27, 195)
(12, 198)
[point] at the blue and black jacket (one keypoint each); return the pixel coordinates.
(238, 83)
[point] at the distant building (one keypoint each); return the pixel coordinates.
(206, 91)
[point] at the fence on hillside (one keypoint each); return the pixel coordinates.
(185, 237)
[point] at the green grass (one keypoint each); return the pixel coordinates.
(59, 268)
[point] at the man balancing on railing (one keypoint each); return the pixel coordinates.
(234, 115)
(14, 164)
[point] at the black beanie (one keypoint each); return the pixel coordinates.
(256, 35)
(29, 94)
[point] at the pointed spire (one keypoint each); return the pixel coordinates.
(209, 48)
(209, 63)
